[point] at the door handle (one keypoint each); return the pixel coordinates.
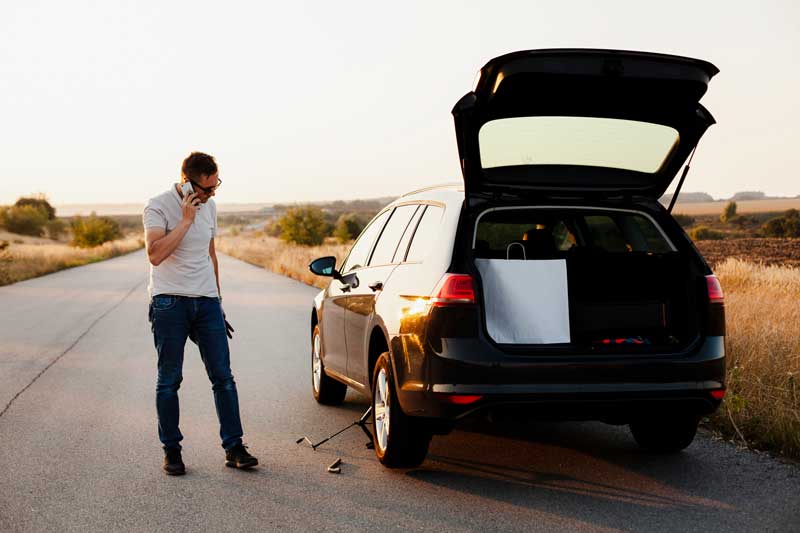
(377, 286)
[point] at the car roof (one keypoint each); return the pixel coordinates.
(446, 193)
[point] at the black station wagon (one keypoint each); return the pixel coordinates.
(551, 284)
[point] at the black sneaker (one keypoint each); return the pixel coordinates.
(173, 464)
(238, 457)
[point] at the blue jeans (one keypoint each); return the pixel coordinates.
(173, 319)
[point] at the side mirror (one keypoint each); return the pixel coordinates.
(324, 266)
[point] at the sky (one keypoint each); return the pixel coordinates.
(309, 101)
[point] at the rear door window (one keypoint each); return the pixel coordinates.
(389, 239)
(426, 233)
(402, 248)
(359, 253)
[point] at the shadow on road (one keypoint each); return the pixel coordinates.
(577, 465)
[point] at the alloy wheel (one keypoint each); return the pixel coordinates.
(382, 410)
(316, 363)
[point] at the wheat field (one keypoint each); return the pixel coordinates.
(25, 258)
(743, 207)
(280, 257)
(762, 404)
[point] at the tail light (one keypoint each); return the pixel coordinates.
(715, 295)
(454, 289)
(718, 394)
(458, 399)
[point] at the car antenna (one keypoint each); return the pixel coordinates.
(680, 182)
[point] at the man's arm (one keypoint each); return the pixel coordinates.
(213, 253)
(159, 244)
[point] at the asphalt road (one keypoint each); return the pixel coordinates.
(79, 449)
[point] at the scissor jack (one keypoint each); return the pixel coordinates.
(361, 422)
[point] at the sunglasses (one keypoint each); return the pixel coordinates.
(207, 190)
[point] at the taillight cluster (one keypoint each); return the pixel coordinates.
(454, 289)
(715, 295)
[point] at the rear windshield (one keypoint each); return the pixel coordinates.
(548, 233)
(582, 141)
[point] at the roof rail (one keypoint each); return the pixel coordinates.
(432, 187)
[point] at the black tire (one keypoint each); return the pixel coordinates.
(330, 391)
(667, 433)
(407, 438)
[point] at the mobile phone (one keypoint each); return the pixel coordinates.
(186, 188)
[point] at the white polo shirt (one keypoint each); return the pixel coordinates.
(188, 271)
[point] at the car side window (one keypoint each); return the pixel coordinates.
(426, 233)
(387, 242)
(359, 253)
(402, 248)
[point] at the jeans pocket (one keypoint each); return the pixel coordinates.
(162, 302)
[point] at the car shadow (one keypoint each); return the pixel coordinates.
(589, 468)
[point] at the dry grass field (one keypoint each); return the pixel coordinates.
(762, 406)
(283, 258)
(742, 207)
(29, 257)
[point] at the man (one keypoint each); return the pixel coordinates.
(185, 301)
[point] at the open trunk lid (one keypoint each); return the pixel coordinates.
(572, 122)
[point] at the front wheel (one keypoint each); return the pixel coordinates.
(665, 434)
(326, 390)
(400, 441)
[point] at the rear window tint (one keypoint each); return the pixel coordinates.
(426, 234)
(387, 243)
(545, 233)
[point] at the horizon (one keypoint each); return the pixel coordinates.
(311, 101)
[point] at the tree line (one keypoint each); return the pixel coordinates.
(35, 216)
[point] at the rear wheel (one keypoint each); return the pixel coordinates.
(400, 441)
(665, 434)
(326, 390)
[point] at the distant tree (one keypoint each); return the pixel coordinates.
(348, 227)
(303, 225)
(787, 225)
(684, 220)
(40, 202)
(55, 228)
(24, 219)
(729, 213)
(93, 231)
(703, 233)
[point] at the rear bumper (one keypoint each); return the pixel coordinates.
(561, 387)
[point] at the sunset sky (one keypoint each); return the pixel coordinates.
(332, 100)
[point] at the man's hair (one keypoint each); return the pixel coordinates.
(198, 164)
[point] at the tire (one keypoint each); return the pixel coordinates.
(665, 434)
(400, 441)
(326, 390)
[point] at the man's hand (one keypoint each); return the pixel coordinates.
(228, 328)
(189, 205)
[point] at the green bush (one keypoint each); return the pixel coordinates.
(24, 219)
(729, 213)
(303, 225)
(787, 225)
(684, 220)
(39, 202)
(704, 233)
(55, 228)
(348, 227)
(273, 228)
(93, 231)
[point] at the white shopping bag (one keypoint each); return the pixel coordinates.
(526, 300)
